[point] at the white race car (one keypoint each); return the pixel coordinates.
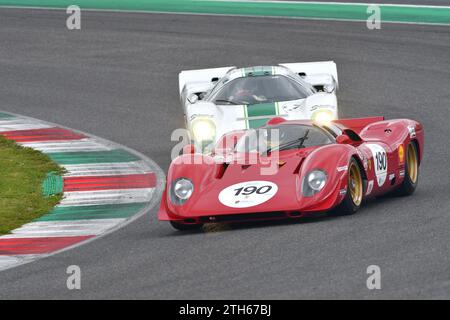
(217, 101)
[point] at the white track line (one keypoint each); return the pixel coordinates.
(63, 228)
(21, 124)
(365, 4)
(231, 15)
(83, 145)
(88, 198)
(113, 169)
(10, 261)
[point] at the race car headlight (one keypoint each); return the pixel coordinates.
(181, 191)
(323, 116)
(314, 182)
(203, 130)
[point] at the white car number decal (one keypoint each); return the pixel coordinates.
(247, 194)
(380, 162)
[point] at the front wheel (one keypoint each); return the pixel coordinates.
(185, 227)
(355, 190)
(409, 184)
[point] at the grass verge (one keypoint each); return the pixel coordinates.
(22, 172)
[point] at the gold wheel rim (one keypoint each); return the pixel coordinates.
(412, 163)
(355, 184)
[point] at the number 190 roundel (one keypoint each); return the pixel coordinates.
(247, 194)
(317, 167)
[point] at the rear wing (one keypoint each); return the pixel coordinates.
(201, 78)
(315, 73)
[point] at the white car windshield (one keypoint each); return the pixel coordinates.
(282, 137)
(260, 89)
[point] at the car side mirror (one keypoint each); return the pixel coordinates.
(189, 149)
(329, 88)
(343, 139)
(192, 98)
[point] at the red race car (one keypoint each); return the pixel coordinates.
(290, 169)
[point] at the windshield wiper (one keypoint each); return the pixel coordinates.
(300, 141)
(226, 101)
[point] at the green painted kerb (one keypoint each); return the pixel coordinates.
(52, 185)
(113, 156)
(333, 11)
(109, 211)
(4, 116)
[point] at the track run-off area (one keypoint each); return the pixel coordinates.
(117, 78)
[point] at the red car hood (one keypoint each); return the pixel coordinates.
(205, 200)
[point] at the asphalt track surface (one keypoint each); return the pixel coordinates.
(117, 79)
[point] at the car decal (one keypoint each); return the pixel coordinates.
(401, 154)
(247, 194)
(246, 117)
(258, 111)
(380, 162)
(258, 71)
(369, 187)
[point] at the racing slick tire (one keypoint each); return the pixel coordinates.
(411, 180)
(355, 190)
(185, 227)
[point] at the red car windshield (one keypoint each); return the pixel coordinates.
(282, 137)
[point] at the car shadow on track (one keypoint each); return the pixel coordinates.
(369, 205)
(209, 228)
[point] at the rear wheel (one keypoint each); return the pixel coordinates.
(409, 184)
(185, 227)
(355, 190)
